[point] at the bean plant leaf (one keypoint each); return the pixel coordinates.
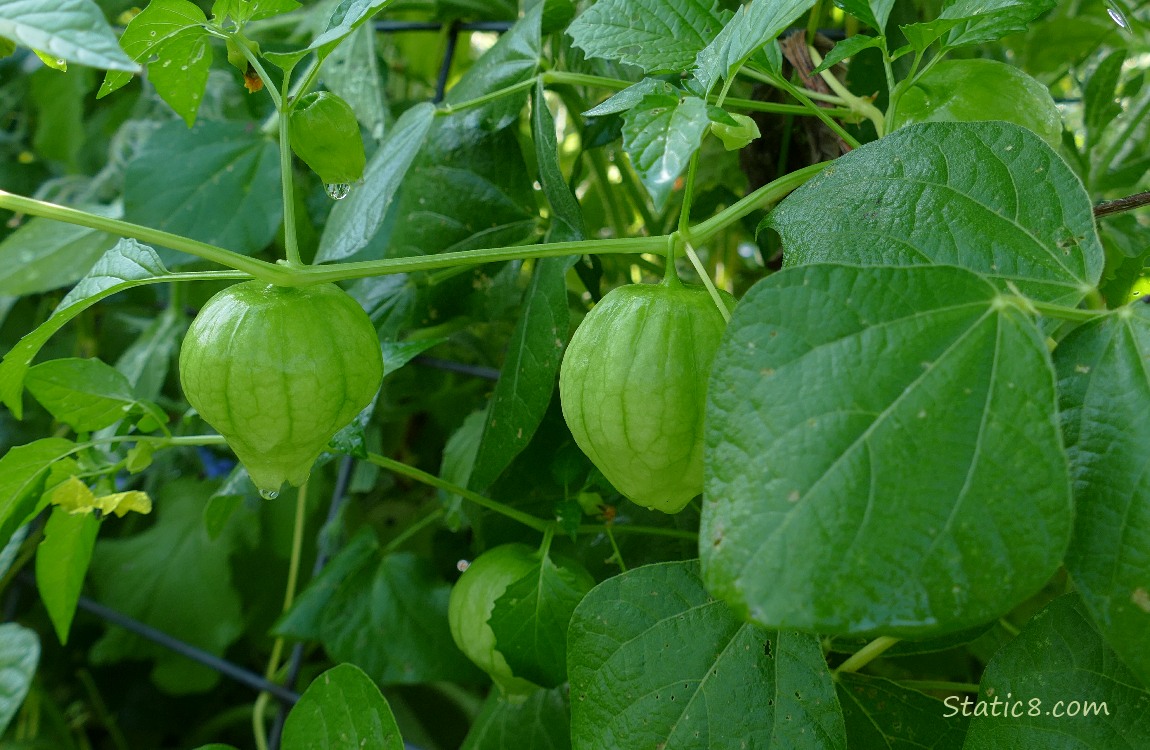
(86, 394)
(228, 193)
(541, 722)
(753, 26)
(126, 265)
(883, 715)
(19, 657)
(23, 470)
(342, 708)
(527, 379)
(896, 427)
(1104, 399)
(655, 35)
(354, 221)
(174, 578)
(873, 13)
(72, 30)
(42, 254)
(655, 661)
(660, 135)
(1059, 686)
(1100, 96)
(988, 196)
(526, 618)
(170, 37)
(62, 564)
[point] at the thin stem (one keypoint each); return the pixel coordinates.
(771, 80)
(258, 268)
(817, 111)
(580, 79)
(1060, 312)
(856, 103)
(617, 556)
(291, 243)
(768, 194)
(955, 687)
(412, 530)
(440, 484)
(707, 282)
(690, 536)
(450, 109)
(784, 109)
(1008, 627)
(866, 654)
(239, 42)
(262, 699)
(688, 193)
(1118, 205)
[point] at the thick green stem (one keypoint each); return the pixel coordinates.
(867, 654)
(768, 194)
(258, 268)
(291, 243)
(450, 109)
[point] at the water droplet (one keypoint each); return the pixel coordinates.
(337, 191)
(462, 565)
(1118, 17)
(269, 494)
(151, 33)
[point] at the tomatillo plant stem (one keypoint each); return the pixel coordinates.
(866, 654)
(291, 243)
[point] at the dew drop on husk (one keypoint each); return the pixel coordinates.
(337, 191)
(269, 494)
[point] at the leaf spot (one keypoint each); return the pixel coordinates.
(1141, 598)
(1082, 369)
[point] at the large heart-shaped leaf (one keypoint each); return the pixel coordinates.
(1104, 391)
(655, 661)
(882, 453)
(988, 196)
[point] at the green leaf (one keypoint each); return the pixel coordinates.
(73, 30)
(146, 362)
(348, 16)
(939, 478)
(174, 578)
(660, 135)
(19, 656)
(242, 11)
(1061, 688)
(752, 27)
(631, 97)
(527, 379)
(978, 90)
(126, 265)
(1100, 96)
(566, 215)
(352, 72)
(86, 394)
(883, 715)
(169, 37)
(988, 20)
(988, 196)
(655, 35)
(396, 594)
(228, 191)
(655, 661)
(22, 473)
(342, 709)
(529, 614)
(873, 13)
(1104, 399)
(354, 221)
(848, 47)
(540, 722)
(43, 255)
(62, 563)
